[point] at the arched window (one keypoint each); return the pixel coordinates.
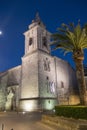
(44, 41)
(30, 41)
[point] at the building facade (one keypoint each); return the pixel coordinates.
(41, 81)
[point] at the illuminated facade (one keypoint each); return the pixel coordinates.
(42, 81)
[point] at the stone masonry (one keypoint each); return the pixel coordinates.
(41, 81)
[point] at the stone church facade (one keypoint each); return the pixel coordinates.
(41, 81)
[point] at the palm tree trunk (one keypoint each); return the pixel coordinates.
(81, 81)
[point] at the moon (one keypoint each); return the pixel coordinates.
(0, 32)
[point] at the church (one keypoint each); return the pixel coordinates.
(41, 81)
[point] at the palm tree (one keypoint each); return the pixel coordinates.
(73, 39)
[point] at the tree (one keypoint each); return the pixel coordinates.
(85, 69)
(73, 39)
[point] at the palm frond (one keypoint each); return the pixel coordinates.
(71, 25)
(77, 32)
(61, 30)
(64, 45)
(63, 25)
(58, 37)
(70, 37)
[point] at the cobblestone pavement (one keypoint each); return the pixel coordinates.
(22, 121)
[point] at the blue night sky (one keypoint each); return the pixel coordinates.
(16, 15)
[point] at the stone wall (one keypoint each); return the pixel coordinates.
(3, 85)
(57, 79)
(29, 83)
(14, 76)
(66, 82)
(29, 105)
(64, 123)
(47, 81)
(12, 97)
(47, 77)
(9, 80)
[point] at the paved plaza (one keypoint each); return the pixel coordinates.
(22, 121)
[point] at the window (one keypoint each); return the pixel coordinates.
(62, 84)
(30, 41)
(46, 64)
(44, 40)
(47, 78)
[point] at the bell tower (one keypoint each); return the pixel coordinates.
(37, 37)
(36, 69)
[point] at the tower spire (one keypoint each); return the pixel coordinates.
(37, 21)
(37, 17)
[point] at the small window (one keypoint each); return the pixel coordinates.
(47, 78)
(62, 84)
(30, 41)
(44, 41)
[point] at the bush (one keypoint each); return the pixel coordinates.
(77, 112)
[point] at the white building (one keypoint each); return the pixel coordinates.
(42, 81)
